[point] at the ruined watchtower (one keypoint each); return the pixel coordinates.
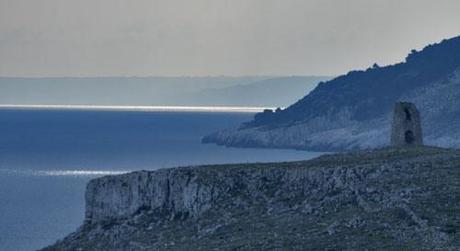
(406, 128)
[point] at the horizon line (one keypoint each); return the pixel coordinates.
(143, 108)
(173, 76)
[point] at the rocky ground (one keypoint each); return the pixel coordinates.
(387, 199)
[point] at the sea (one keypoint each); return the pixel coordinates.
(47, 156)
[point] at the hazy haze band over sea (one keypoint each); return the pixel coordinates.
(75, 173)
(245, 109)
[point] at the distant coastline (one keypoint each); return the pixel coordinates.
(237, 109)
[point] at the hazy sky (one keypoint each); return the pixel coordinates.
(215, 37)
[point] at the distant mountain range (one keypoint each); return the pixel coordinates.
(280, 91)
(353, 111)
(172, 91)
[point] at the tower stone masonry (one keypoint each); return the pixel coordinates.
(406, 128)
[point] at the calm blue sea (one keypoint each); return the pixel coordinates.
(48, 156)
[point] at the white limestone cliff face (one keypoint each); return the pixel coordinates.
(437, 102)
(393, 198)
(189, 192)
(337, 133)
(166, 192)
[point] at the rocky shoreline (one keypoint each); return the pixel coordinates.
(387, 199)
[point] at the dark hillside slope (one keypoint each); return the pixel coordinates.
(349, 108)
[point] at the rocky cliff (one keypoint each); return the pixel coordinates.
(353, 111)
(388, 199)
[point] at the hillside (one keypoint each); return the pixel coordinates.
(387, 199)
(353, 111)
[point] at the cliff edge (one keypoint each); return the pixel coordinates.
(387, 199)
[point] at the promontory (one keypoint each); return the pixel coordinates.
(387, 199)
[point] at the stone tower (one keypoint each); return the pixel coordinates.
(406, 128)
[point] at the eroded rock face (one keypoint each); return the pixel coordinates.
(169, 193)
(394, 198)
(189, 192)
(406, 127)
